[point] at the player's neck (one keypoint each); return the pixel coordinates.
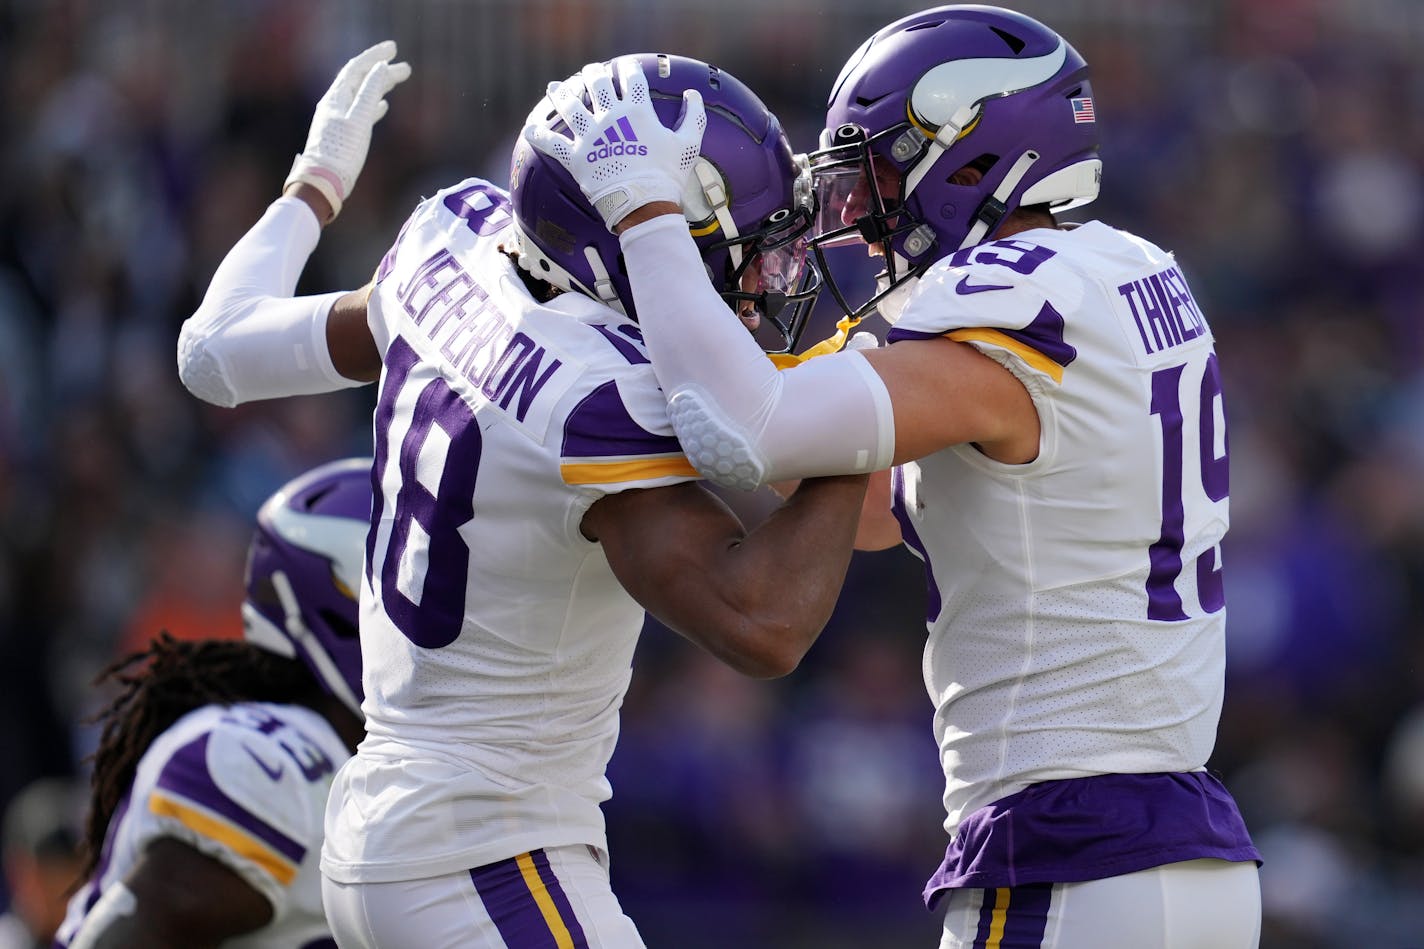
(1020, 221)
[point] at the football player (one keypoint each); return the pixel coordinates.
(1053, 405)
(211, 777)
(531, 498)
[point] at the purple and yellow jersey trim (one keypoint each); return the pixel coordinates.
(1002, 340)
(623, 470)
(187, 793)
(1040, 344)
(603, 444)
(527, 904)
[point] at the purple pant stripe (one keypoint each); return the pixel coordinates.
(513, 908)
(560, 898)
(986, 918)
(1028, 916)
(1025, 917)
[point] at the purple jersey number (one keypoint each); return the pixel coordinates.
(423, 572)
(1165, 556)
(483, 209)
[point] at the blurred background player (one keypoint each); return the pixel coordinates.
(41, 859)
(1053, 401)
(532, 500)
(211, 780)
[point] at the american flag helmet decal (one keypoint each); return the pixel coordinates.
(1083, 109)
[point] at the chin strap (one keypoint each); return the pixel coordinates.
(992, 211)
(602, 283)
(714, 192)
(831, 344)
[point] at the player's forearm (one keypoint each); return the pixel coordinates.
(250, 338)
(788, 572)
(742, 422)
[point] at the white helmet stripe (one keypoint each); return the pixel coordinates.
(950, 87)
(342, 540)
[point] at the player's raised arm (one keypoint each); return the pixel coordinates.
(251, 338)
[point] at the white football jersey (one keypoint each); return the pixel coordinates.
(247, 785)
(1076, 614)
(496, 640)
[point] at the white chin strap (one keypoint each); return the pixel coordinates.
(712, 193)
(602, 283)
(981, 227)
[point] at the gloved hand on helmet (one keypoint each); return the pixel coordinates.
(621, 154)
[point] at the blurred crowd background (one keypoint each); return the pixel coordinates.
(1277, 146)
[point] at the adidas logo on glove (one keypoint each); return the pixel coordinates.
(611, 145)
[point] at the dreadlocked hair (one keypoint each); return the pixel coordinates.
(161, 684)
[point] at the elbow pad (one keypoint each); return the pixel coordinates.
(250, 338)
(827, 416)
(259, 348)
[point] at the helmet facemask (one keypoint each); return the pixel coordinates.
(770, 278)
(860, 199)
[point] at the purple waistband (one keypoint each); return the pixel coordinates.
(1093, 828)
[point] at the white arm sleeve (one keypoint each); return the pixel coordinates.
(741, 422)
(250, 338)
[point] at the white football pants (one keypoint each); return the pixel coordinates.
(1197, 904)
(557, 897)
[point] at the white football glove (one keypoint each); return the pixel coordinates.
(621, 154)
(341, 127)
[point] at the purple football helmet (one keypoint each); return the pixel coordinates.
(941, 90)
(748, 204)
(304, 573)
